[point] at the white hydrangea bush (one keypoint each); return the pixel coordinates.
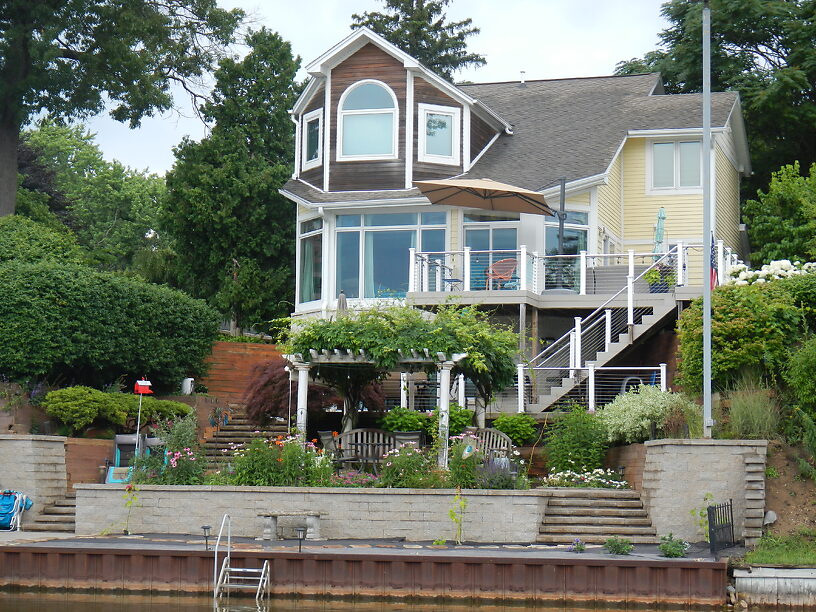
(629, 417)
(741, 274)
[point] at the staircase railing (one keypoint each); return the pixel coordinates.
(218, 578)
(594, 334)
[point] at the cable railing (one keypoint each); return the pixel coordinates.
(584, 273)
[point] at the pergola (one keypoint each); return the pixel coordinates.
(408, 360)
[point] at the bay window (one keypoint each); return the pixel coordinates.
(311, 260)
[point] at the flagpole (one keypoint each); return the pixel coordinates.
(707, 238)
(138, 425)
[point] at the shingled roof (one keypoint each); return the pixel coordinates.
(563, 127)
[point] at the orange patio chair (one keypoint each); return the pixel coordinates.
(501, 271)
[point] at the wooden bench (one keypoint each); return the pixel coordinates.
(492, 442)
(365, 447)
(270, 530)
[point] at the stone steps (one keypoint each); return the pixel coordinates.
(59, 517)
(238, 430)
(595, 515)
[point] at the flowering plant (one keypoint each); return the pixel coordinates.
(740, 274)
(595, 479)
(577, 546)
(284, 461)
(354, 479)
(408, 466)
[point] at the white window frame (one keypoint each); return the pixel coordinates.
(300, 236)
(456, 145)
(394, 112)
(306, 164)
(674, 189)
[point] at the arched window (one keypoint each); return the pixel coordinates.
(367, 122)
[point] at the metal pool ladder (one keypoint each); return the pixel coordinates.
(236, 577)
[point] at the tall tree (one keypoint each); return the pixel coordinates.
(233, 231)
(70, 57)
(418, 27)
(113, 210)
(766, 50)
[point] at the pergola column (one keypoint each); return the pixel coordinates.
(444, 410)
(302, 395)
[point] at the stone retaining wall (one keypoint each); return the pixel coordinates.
(415, 514)
(34, 465)
(677, 474)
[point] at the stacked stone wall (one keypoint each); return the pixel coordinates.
(34, 465)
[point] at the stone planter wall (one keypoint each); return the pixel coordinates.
(677, 474)
(414, 514)
(34, 465)
(632, 459)
(83, 458)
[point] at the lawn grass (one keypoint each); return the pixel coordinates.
(797, 549)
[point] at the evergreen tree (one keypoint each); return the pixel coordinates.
(418, 27)
(233, 231)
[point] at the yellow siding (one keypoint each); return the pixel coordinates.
(609, 204)
(684, 212)
(453, 228)
(576, 200)
(727, 198)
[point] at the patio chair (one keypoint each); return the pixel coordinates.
(501, 271)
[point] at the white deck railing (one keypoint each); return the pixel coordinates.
(585, 274)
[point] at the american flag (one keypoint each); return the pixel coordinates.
(714, 279)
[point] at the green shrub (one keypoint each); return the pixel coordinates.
(24, 240)
(669, 547)
(629, 417)
(752, 328)
(281, 463)
(408, 466)
(78, 407)
(459, 419)
(618, 546)
(799, 375)
(520, 426)
(577, 441)
(753, 412)
(404, 419)
(70, 322)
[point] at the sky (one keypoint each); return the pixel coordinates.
(545, 38)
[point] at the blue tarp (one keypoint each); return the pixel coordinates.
(12, 504)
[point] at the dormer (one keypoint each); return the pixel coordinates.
(373, 118)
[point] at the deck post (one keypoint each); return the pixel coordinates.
(466, 267)
(578, 356)
(591, 386)
(582, 290)
(607, 329)
(403, 389)
(680, 252)
(411, 270)
(426, 268)
(721, 268)
(663, 381)
(520, 384)
(302, 395)
(439, 273)
(523, 267)
(444, 411)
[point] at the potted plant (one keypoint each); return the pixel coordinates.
(660, 278)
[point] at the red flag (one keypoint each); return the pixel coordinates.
(142, 387)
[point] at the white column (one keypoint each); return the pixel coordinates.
(721, 270)
(467, 268)
(630, 301)
(403, 389)
(582, 290)
(523, 268)
(462, 400)
(444, 411)
(663, 383)
(302, 394)
(426, 268)
(607, 328)
(631, 262)
(591, 385)
(438, 277)
(535, 272)
(520, 384)
(572, 354)
(578, 356)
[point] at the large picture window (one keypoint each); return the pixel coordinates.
(312, 138)
(439, 134)
(367, 122)
(373, 250)
(676, 165)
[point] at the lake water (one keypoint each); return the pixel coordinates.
(65, 602)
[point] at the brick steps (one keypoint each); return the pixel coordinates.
(238, 430)
(595, 515)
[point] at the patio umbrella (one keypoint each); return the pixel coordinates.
(484, 193)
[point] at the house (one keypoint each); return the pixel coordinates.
(618, 156)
